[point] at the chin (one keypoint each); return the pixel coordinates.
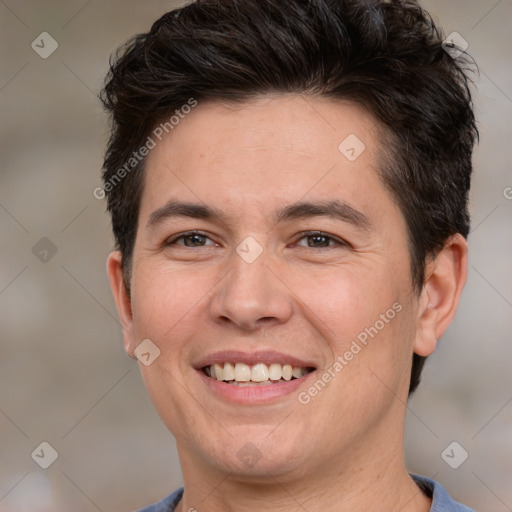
(256, 454)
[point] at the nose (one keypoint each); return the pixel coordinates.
(252, 294)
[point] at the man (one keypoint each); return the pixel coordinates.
(288, 186)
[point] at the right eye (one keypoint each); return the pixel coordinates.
(190, 238)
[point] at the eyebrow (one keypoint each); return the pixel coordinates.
(335, 209)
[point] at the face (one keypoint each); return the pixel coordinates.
(298, 256)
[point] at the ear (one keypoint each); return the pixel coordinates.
(124, 308)
(445, 278)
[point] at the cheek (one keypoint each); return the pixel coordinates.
(344, 301)
(164, 299)
(365, 322)
(165, 306)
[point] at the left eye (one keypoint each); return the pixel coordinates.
(320, 239)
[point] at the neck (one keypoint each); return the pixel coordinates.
(378, 482)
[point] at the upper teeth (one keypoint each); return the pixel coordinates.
(259, 372)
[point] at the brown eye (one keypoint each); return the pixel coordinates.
(320, 239)
(190, 239)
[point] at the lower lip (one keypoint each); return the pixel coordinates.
(253, 394)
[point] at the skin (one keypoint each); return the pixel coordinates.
(344, 449)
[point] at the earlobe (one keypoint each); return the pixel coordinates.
(445, 278)
(115, 275)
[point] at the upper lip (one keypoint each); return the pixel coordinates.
(251, 358)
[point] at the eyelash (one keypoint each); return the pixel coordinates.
(305, 234)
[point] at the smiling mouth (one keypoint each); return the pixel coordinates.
(260, 374)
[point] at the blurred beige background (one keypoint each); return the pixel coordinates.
(64, 377)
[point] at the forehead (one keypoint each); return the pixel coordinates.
(282, 148)
(300, 125)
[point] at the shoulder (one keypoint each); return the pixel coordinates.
(167, 504)
(441, 501)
